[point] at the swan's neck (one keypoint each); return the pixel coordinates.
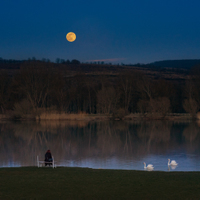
(168, 162)
(145, 165)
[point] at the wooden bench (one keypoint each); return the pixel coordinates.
(41, 163)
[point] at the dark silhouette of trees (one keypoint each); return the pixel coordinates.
(107, 100)
(57, 60)
(127, 82)
(35, 82)
(195, 79)
(191, 103)
(191, 106)
(75, 62)
(160, 106)
(4, 91)
(73, 87)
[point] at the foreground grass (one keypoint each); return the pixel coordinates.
(82, 183)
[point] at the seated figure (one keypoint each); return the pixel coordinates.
(48, 158)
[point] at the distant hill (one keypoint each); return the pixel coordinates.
(184, 64)
(178, 64)
(176, 70)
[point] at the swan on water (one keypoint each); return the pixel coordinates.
(173, 163)
(148, 167)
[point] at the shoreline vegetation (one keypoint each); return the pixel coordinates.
(97, 117)
(40, 90)
(86, 183)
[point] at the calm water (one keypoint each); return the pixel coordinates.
(106, 145)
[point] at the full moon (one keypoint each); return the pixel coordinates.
(71, 36)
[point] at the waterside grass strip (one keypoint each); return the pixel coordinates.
(83, 183)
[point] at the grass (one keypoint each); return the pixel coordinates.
(83, 183)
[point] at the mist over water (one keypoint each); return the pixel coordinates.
(103, 144)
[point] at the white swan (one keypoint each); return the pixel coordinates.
(173, 163)
(148, 167)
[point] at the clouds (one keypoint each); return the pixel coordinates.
(107, 60)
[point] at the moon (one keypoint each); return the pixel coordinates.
(71, 36)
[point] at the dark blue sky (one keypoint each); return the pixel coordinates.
(135, 31)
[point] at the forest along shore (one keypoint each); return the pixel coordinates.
(38, 90)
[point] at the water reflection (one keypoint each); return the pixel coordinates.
(171, 167)
(111, 145)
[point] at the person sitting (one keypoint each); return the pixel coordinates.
(48, 158)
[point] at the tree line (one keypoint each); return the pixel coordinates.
(40, 85)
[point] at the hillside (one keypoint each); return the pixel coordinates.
(170, 69)
(184, 64)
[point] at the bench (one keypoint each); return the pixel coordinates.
(41, 163)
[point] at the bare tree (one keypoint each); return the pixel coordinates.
(4, 91)
(145, 87)
(189, 89)
(60, 93)
(127, 83)
(192, 93)
(143, 106)
(191, 106)
(195, 84)
(91, 86)
(34, 81)
(22, 108)
(107, 100)
(160, 106)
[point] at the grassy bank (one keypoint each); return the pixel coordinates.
(72, 116)
(94, 117)
(80, 183)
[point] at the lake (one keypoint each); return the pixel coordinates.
(102, 144)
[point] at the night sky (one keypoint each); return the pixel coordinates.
(134, 31)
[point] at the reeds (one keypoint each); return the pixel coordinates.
(61, 116)
(3, 117)
(198, 115)
(69, 116)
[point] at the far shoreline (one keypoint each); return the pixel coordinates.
(98, 117)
